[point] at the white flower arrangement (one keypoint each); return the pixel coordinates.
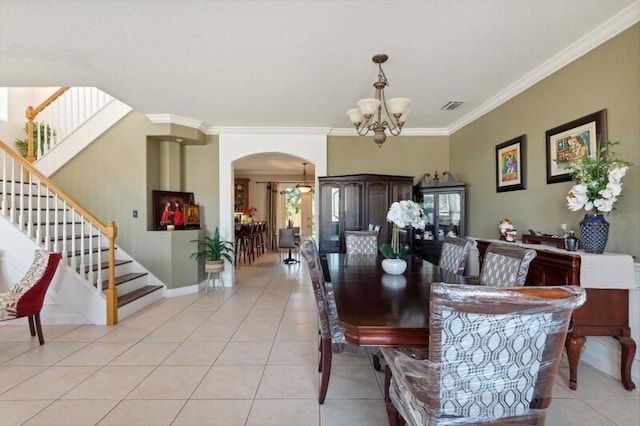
(598, 182)
(402, 214)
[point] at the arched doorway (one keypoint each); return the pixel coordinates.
(310, 146)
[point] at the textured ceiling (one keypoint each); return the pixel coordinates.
(300, 63)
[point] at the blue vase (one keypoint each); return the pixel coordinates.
(594, 231)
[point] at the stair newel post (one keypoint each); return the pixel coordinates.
(112, 293)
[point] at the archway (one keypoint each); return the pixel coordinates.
(310, 146)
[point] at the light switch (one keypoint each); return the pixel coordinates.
(135, 214)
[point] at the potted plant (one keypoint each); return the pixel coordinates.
(214, 251)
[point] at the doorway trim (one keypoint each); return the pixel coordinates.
(311, 147)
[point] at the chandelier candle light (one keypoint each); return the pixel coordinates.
(378, 115)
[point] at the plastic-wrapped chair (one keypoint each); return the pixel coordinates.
(361, 242)
(332, 338)
(26, 297)
(454, 254)
(493, 356)
(505, 265)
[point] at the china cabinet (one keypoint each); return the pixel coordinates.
(240, 195)
(443, 202)
(354, 202)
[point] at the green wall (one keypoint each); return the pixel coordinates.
(116, 174)
(401, 155)
(606, 78)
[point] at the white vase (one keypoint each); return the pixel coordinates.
(394, 266)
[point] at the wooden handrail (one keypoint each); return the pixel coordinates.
(110, 230)
(31, 114)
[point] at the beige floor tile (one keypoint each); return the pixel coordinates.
(111, 382)
(169, 382)
(15, 413)
(172, 332)
(565, 412)
(209, 332)
(128, 332)
(96, 354)
(353, 381)
(593, 384)
(52, 383)
(11, 376)
(146, 353)
(72, 413)
(353, 412)
(84, 333)
(289, 381)
(297, 332)
(229, 382)
(245, 353)
(195, 353)
(9, 350)
(256, 331)
(147, 413)
(47, 354)
(294, 353)
(278, 412)
(228, 412)
(342, 358)
(617, 410)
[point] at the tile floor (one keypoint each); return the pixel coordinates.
(241, 356)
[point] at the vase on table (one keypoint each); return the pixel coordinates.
(394, 266)
(594, 230)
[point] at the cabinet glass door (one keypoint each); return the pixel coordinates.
(330, 217)
(449, 214)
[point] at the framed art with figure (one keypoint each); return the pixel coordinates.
(510, 165)
(169, 209)
(572, 141)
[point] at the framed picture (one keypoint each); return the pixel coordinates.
(571, 141)
(192, 216)
(169, 209)
(510, 165)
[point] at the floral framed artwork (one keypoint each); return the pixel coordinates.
(510, 165)
(571, 141)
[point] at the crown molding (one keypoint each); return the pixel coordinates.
(217, 130)
(178, 120)
(609, 29)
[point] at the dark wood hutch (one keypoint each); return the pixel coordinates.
(353, 202)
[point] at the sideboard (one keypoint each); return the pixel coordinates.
(606, 311)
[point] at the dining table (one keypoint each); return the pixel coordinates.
(379, 309)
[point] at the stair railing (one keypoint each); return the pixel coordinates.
(59, 115)
(56, 222)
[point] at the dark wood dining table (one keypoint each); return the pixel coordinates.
(379, 309)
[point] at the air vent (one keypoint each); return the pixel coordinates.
(451, 105)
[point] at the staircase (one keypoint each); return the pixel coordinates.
(33, 211)
(47, 217)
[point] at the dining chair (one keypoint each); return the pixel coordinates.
(361, 242)
(287, 244)
(505, 265)
(332, 339)
(26, 297)
(454, 254)
(493, 357)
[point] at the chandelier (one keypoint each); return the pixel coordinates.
(378, 115)
(304, 187)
